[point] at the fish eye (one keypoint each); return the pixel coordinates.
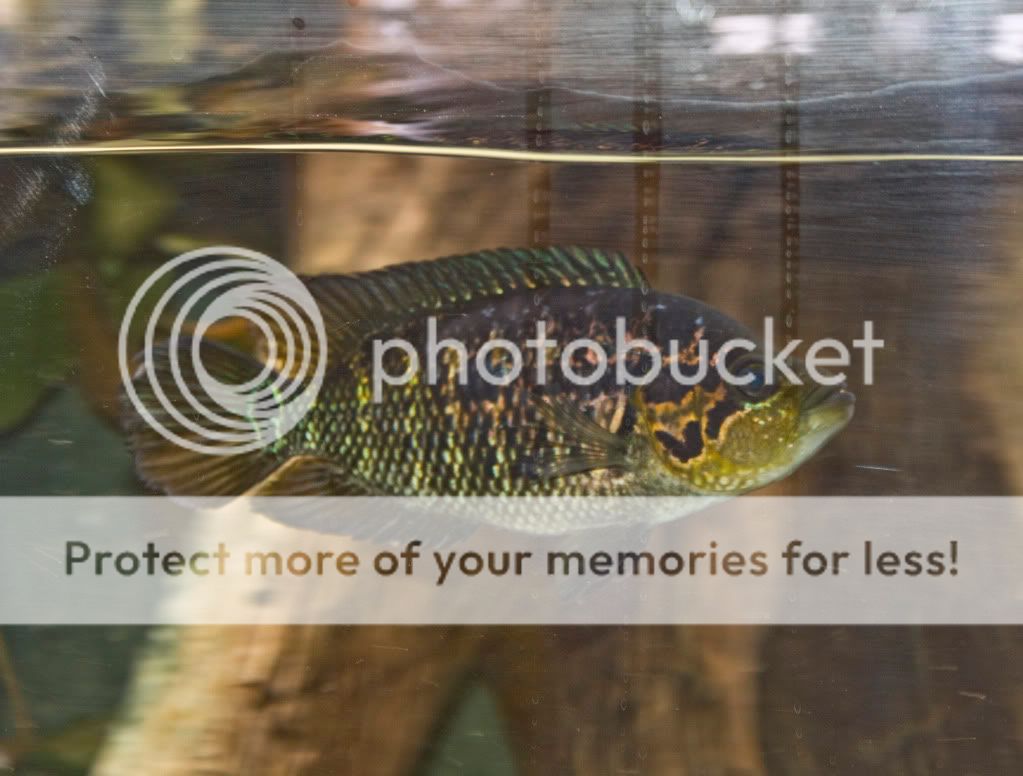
(754, 386)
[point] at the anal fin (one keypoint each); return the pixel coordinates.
(303, 493)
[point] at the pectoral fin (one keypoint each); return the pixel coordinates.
(578, 442)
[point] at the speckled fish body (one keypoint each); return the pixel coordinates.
(539, 432)
(453, 436)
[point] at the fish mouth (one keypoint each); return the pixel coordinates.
(829, 407)
(828, 395)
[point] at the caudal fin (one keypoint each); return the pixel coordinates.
(189, 435)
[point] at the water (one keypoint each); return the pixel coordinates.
(890, 171)
(928, 251)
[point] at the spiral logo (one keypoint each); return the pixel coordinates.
(188, 403)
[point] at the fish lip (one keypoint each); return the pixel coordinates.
(826, 410)
(829, 396)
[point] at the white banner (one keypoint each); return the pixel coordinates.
(750, 560)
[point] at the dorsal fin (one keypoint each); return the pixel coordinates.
(355, 305)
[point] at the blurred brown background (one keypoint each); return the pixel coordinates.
(931, 251)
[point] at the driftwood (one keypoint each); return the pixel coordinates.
(288, 700)
(369, 700)
(698, 700)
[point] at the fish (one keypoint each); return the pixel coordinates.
(491, 424)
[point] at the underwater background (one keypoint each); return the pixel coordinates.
(825, 163)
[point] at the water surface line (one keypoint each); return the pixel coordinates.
(507, 154)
